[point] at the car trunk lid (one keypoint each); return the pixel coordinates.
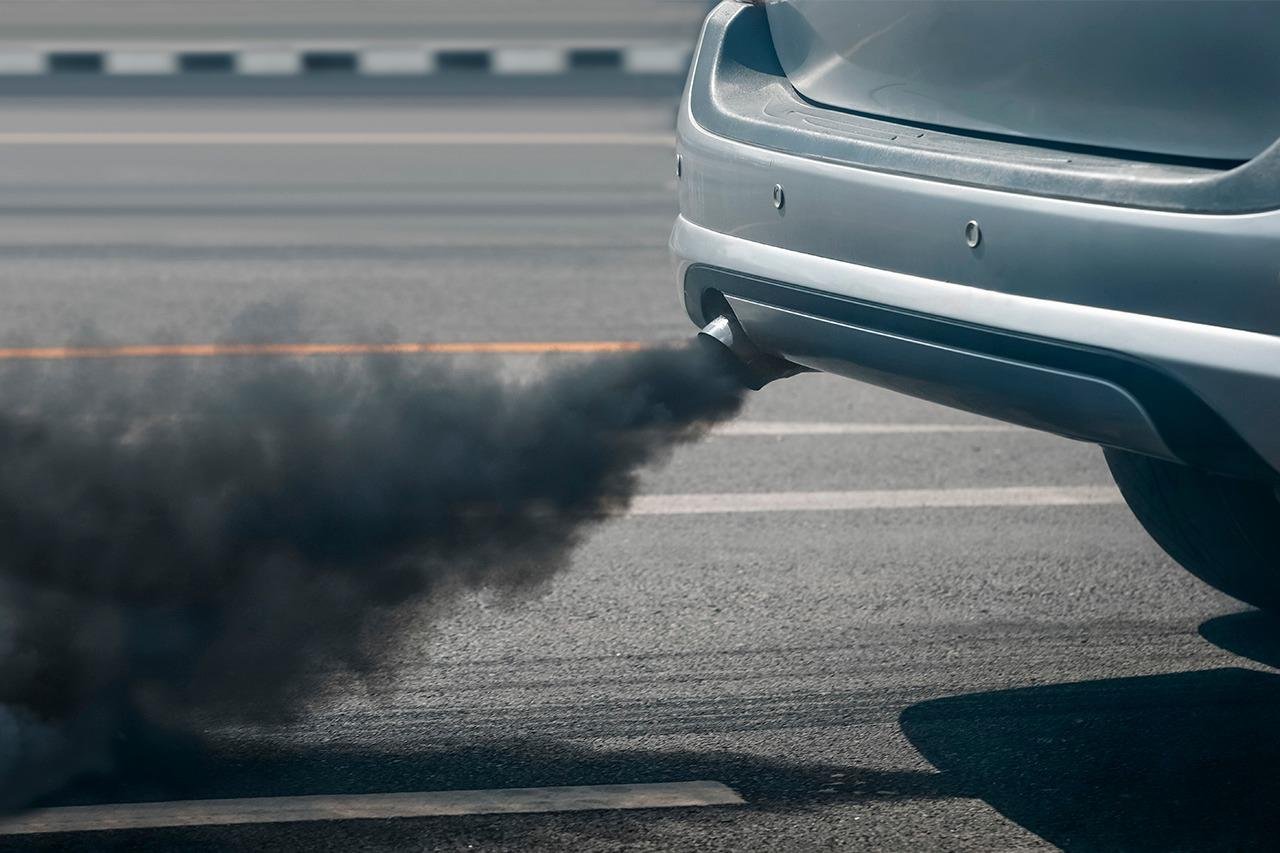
(1189, 79)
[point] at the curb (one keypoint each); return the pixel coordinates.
(374, 61)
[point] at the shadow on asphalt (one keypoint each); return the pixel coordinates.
(1252, 634)
(1168, 762)
(1186, 761)
(176, 770)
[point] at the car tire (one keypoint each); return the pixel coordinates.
(1223, 530)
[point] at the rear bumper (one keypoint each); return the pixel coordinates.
(1145, 329)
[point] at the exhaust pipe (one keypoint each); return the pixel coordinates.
(756, 369)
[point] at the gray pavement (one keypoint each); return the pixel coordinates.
(138, 21)
(972, 678)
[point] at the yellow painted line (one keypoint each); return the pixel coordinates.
(296, 138)
(659, 795)
(221, 350)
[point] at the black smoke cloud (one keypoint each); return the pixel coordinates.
(188, 543)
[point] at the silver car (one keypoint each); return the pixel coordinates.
(1060, 214)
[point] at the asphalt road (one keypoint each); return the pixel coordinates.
(972, 677)
(194, 21)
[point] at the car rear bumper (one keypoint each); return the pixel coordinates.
(1151, 330)
(1203, 395)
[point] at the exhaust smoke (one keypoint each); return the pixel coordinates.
(187, 544)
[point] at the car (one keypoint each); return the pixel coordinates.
(1062, 215)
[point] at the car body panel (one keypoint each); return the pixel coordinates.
(1127, 259)
(1188, 297)
(1235, 374)
(739, 91)
(1191, 78)
(1115, 256)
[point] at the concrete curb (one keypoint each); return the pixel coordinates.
(386, 60)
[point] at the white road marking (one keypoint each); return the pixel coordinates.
(268, 62)
(659, 795)
(141, 62)
(661, 59)
(759, 428)
(394, 61)
(874, 499)
(529, 60)
(334, 138)
(21, 62)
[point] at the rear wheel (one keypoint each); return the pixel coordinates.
(1223, 530)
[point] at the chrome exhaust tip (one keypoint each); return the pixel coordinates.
(755, 368)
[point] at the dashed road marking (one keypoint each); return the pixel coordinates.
(1010, 496)
(403, 59)
(658, 795)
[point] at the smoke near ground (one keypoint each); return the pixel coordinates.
(184, 542)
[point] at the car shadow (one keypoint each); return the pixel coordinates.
(1252, 634)
(1185, 761)
(158, 768)
(1181, 761)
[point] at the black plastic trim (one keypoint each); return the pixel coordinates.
(738, 90)
(1195, 433)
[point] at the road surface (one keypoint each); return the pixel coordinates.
(211, 21)
(925, 671)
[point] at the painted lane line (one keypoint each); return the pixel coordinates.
(1012, 496)
(657, 59)
(268, 62)
(222, 350)
(783, 428)
(21, 62)
(530, 60)
(141, 62)
(659, 795)
(395, 61)
(441, 138)
(397, 57)
(732, 429)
